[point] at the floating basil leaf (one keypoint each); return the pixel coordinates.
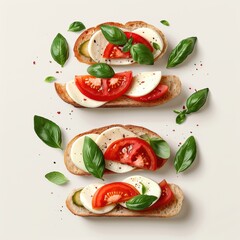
(144, 188)
(101, 70)
(165, 22)
(141, 54)
(48, 131)
(56, 177)
(156, 46)
(185, 155)
(50, 79)
(114, 35)
(76, 27)
(197, 100)
(181, 52)
(193, 104)
(160, 147)
(140, 202)
(60, 50)
(93, 158)
(127, 46)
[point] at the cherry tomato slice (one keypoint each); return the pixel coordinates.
(114, 52)
(166, 197)
(113, 193)
(132, 151)
(104, 89)
(155, 94)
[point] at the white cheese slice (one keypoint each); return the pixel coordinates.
(143, 83)
(86, 197)
(106, 138)
(152, 188)
(76, 151)
(152, 36)
(80, 98)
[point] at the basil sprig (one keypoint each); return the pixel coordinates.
(50, 79)
(193, 104)
(159, 146)
(48, 131)
(181, 51)
(76, 27)
(114, 34)
(128, 45)
(140, 202)
(156, 46)
(101, 70)
(186, 155)
(60, 49)
(165, 22)
(93, 158)
(141, 54)
(56, 177)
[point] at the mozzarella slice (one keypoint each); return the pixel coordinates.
(80, 98)
(76, 151)
(96, 47)
(152, 188)
(152, 36)
(106, 138)
(86, 197)
(143, 83)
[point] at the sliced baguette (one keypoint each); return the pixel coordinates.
(86, 35)
(174, 89)
(167, 211)
(67, 156)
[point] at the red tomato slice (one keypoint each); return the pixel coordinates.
(104, 89)
(166, 197)
(155, 94)
(160, 162)
(113, 52)
(132, 151)
(113, 193)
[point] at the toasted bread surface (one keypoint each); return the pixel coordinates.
(86, 35)
(172, 81)
(67, 156)
(167, 211)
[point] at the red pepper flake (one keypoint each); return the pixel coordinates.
(58, 112)
(34, 62)
(84, 99)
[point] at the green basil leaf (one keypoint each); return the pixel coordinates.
(93, 158)
(160, 147)
(181, 117)
(156, 46)
(50, 79)
(141, 54)
(60, 50)
(48, 131)
(181, 51)
(144, 188)
(56, 177)
(76, 27)
(101, 70)
(140, 202)
(114, 35)
(128, 45)
(145, 137)
(186, 155)
(165, 22)
(197, 100)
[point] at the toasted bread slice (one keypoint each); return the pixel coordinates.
(167, 211)
(86, 35)
(67, 157)
(174, 89)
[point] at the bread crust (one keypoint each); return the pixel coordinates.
(172, 81)
(86, 35)
(67, 156)
(170, 210)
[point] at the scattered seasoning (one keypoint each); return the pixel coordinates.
(50, 61)
(51, 192)
(201, 64)
(57, 71)
(54, 162)
(34, 62)
(66, 128)
(190, 88)
(184, 107)
(197, 125)
(58, 112)
(197, 69)
(173, 130)
(190, 131)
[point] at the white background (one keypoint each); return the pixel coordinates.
(33, 208)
